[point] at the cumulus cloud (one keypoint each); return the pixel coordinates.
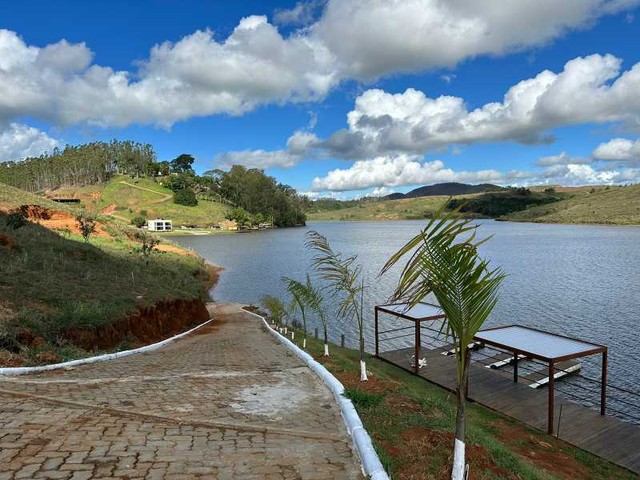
(200, 75)
(298, 146)
(364, 34)
(19, 141)
(562, 159)
(589, 90)
(618, 149)
(196, 76)
(400, 170)
(384, 172)
(302, 14)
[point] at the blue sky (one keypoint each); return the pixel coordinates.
(340, 98)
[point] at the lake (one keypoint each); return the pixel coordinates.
(578, 280)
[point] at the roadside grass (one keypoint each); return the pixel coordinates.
(52, 282)
(412, 423)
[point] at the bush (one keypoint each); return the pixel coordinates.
(16, 220)
(86, 225)
(185, 196)
(138, 221)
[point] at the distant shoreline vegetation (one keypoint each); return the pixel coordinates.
(248, 192)
(601, 205)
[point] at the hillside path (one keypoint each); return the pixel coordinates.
(227, 402)
(165, 196)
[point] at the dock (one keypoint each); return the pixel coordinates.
(604, 436)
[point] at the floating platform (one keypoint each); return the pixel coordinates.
(541, 377)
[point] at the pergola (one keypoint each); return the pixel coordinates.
(547, 347)
(522, 342)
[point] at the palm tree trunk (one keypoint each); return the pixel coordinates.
(326, 342)
(363, 365)
(458, 471)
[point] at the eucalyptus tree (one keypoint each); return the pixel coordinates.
(443, 259)
(345, 282)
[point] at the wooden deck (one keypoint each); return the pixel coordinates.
(604, 436)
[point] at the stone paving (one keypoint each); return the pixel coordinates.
(227, 402)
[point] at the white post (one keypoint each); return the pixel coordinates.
(326, 349)
(457, 473)
(293, 335)
(304, 343)
(363, 371)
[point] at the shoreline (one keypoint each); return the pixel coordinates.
(389, 220)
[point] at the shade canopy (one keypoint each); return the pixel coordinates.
(536, 343)
(421, 312)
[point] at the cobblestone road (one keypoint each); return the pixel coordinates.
(226, 402)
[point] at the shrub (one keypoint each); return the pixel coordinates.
(16, 220)
(87, 225)
(148, 241)
(185, 196)
(138, 221)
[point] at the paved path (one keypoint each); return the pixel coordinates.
(228, 402)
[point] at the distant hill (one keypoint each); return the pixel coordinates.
(449, 188)
(599, 205)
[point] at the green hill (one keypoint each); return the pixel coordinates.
(599, 205)
(61, 297)
(403, 209)
(125, 198)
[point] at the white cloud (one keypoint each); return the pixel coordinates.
(381, 192)
(302, 14)
(589, 90)
(371, 38)
(562, 159)
(619, 149)
(298, 146)
(401, 170)
(200, 75)
(196, 76)
(21, 141)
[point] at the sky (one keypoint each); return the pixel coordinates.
(337, 98)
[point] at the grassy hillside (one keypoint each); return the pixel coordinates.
(600, 205)
(52, 282)
(404, 209)
(130, 198)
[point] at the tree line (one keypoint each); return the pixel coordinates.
(254, 195)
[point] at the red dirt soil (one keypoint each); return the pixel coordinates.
(57, 220)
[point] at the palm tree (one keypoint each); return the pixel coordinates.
(466, 289)
(276, 308)
(298, 292)
(344, 279)
(305, 295)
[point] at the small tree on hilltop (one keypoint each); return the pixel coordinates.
(86, 225)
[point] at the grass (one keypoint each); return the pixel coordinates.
(145, 197)
(412, 421)
(53, 282)
(404, 209)
(585, 205)
(599, 205)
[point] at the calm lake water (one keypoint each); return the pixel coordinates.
(581, 281)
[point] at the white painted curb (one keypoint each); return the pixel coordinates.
(100, 358)
(371, 464)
